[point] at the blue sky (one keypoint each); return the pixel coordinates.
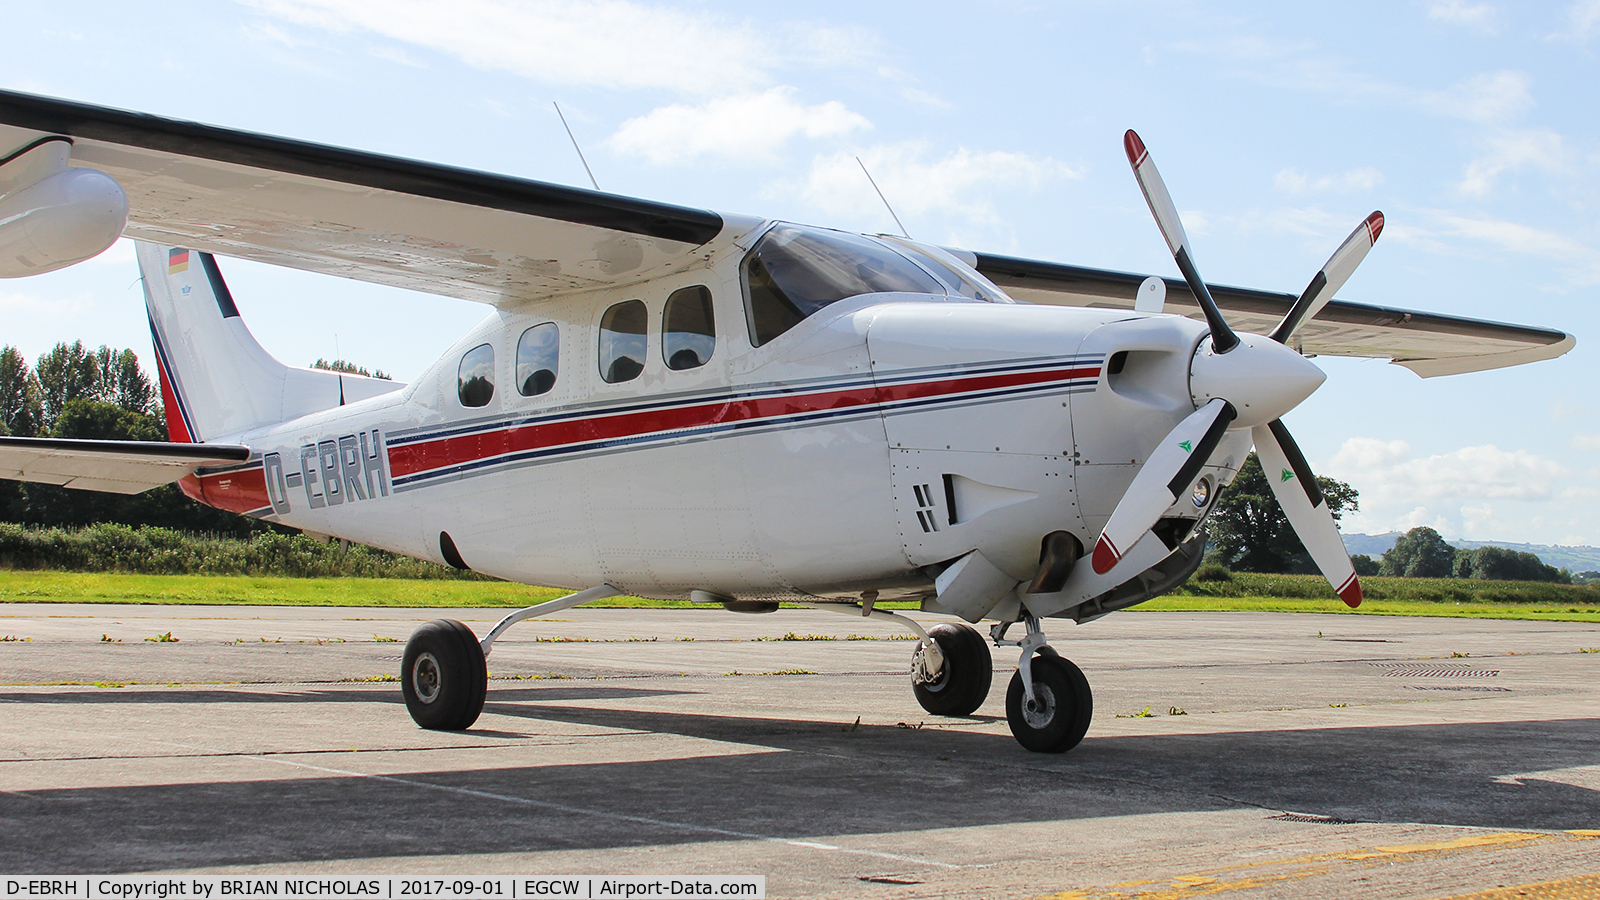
(996, 127)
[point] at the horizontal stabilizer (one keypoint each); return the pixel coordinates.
(121, 467)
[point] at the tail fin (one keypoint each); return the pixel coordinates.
(216, 380)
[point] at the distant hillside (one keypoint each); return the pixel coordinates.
(1573, 559)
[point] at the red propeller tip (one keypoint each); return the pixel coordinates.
(1135, 148)
(1374, 226)
(1351, 592)
(1105, 555)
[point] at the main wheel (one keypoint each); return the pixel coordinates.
(443, 676)
(964, 683)
(1059, 715)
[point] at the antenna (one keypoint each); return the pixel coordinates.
(882, 197)
(575, 145)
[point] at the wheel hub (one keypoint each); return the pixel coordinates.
(1041, 710)
(425, 677)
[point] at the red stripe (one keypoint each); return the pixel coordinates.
(1350, 592)
(427, 455)
(1105, 555)
(177, 432)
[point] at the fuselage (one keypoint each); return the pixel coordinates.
(667, 437)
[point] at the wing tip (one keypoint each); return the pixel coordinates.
(1105, 553)
(1134, 147)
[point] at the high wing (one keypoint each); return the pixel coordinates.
(439, 229)
(1426, 343)
(120, 467)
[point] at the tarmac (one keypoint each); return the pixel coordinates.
(1232, 754)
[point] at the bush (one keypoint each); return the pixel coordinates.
(1213, 572)
(146, 550)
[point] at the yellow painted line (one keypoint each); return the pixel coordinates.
(1477, 840)
(1585, 832)
(1209, 882)
(1581, 887)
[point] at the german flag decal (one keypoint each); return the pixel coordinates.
(177, 261)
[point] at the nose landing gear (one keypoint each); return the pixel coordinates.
(1048, 703)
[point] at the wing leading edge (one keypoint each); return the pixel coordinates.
(120, 467)
(1426, 343)
(439, 229)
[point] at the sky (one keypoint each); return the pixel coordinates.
(994, 127)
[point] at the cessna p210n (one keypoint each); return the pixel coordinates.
(673, 403)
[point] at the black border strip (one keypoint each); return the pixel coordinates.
(390, 173)
(219, 288)
(49, 139)
(1008, 271)
(161, 449)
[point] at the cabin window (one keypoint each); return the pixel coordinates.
(537, 352)
(688, 337)
(475, 379)
(793, 272)
(622, 341)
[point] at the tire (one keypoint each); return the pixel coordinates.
(443, 676)
(968, 670)
(1068, 706)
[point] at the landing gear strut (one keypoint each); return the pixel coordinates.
(1048, 704)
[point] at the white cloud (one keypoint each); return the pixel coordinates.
(1585, 17)
(1447, 491)
(1434, 229)
(746, 127)
(603, 43)
(1480, 16)
(914, 183)
(1491, 97)
(1512, 150)
(1293, 181)
(1586, 441)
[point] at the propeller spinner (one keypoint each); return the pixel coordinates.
(1239, 381)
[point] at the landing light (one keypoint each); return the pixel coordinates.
(1202, 492)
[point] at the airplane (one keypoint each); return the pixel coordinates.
(682, 404)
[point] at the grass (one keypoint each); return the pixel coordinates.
(1244, 593)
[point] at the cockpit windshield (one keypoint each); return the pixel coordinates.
(793, 272)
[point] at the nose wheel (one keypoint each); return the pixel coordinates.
(1048, 703)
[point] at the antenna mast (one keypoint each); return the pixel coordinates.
(882, 197)
(580, 149)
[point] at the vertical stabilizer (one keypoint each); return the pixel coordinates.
(216, 380)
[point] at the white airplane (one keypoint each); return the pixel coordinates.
(676, 403)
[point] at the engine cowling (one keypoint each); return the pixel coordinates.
(59, 220)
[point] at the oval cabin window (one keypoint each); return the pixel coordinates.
(688, 335)
(475, 380)
(537, 353)
(622, 341)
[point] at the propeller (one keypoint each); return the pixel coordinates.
(1239, 381)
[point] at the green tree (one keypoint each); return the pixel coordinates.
(1419, 553)
(20, 412)
(1250, 531)
(121, 381)
(66, 373)
(1364, 565)
(349, 368)
(1502, 564)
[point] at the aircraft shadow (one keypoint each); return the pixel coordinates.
(824, 780)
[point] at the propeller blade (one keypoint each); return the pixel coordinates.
(1155, 194)
(1171, 468)
(1303, 504)
(1340, 266)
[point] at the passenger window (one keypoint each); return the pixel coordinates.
(622, 341)
(688, 337)
(475, 380)
(537, 352)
